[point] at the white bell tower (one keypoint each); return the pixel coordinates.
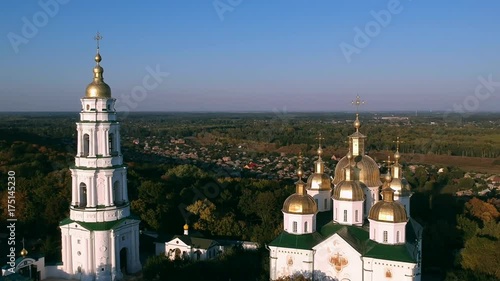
(100, 239)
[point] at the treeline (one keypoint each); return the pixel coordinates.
(225, 207)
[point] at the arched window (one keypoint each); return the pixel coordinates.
(117, 193)
(86, 145)
(397, 236)
(356, 214)
(385, 237)
(345, 215)
(294, 227)
(111, 142)
(83, 195)
(305, 227)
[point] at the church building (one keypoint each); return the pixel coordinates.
(351, 228)
(100, 239)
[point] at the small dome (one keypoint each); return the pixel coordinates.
(300, 204)
(388, 210)
(349, 191)
(318, 181)
(400, 186)
(369, 172)
(186, 227)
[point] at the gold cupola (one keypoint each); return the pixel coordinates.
(319, 180)
(350, 189)
(369, 172)
(388, 210)
(98, 88)
(300, 202)
(399, 184)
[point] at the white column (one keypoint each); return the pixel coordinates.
(87, 267)
(124, 191)
(94, 191)
(69, 257)
(106, 142)
(74, 190)
(105, 190)
(64, 250)
(117, 138)
(110, 191)
(79, 140)
(113, 255)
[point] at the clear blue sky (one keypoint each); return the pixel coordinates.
(260, 55)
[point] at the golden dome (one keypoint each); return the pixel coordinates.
(98, 88)
(319, 182)
(186, 227)
(388, 210)
(400, 186)
(369, 172)
(24, 252)
(349, 191)
(300, 204)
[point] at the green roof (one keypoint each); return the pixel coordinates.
(196, 242)
(97, 226)
(357, 237)
(293, 241)
(390, 252)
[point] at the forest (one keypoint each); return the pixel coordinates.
(460, 233)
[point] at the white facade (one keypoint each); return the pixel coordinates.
(371, 197)
(100, 240)
(388, 232)
(348, 212)
(287, 262)
(323, 199)
(299, 223)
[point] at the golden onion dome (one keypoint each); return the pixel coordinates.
(349, 191)
(300, 204)
(388, 210)
(24, 252)
(400, 186)
(98, 88)
(186, 227)
(318, 181)
(369, 172)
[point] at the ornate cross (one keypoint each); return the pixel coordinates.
(357, 102)
(388, 161)
(320, 138)
(98, 38)
(398, 142)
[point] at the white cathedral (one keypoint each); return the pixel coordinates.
(347, 233)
